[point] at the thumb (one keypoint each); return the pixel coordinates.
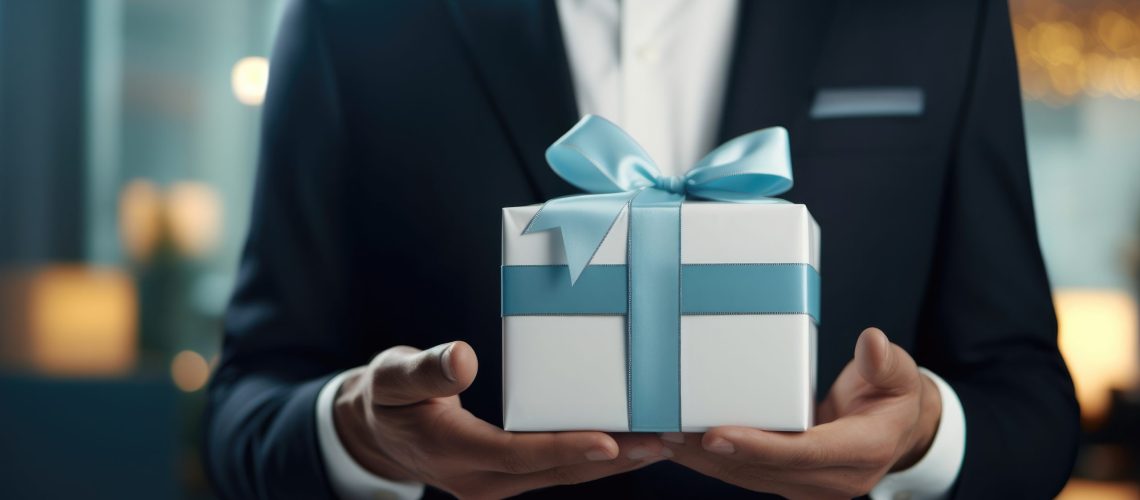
(883, 364)
(405, 375)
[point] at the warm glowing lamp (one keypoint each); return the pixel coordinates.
(1087, 489)
(249, 79)
(1098, 338)
(71, 320)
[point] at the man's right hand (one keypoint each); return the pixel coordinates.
(400, 418)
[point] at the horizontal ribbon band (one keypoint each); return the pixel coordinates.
(705, 289)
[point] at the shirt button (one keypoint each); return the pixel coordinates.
(648, 54)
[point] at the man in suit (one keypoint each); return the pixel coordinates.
(394, 132)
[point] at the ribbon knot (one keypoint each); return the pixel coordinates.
(672, 184)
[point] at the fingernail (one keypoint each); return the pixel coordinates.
(721, 446)
(445, 360)
(598, 455)
(640, 453)
(673, 437)
(666, 452)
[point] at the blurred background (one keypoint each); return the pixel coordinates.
(128, 133)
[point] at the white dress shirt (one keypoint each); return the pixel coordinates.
(659, 69)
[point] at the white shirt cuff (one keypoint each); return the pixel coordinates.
(349, 480)
(932, 477)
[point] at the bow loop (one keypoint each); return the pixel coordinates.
(599, 157)
(749, 168)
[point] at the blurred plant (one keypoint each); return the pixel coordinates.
(188, 215)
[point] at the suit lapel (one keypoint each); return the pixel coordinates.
(518, 56)
(771, 80)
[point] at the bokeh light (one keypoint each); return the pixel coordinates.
(1065, 53)
(1098, 339)
(249, 79)
(194, 217)
(140, 218)
(71, 319)
(190, 371)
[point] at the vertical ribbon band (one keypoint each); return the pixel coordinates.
(653, 253)
(598, 157)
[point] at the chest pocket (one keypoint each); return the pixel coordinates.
(886, 119)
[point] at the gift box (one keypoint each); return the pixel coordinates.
(639, 309)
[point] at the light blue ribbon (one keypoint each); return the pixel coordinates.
(599, 157)
(544, 290)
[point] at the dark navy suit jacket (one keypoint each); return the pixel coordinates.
(395, 131)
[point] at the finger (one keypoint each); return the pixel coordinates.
(576, 474)
(883, 364)
(681, 438)
(487, 447)
(849, 441)
(405, 375)
(638, 446)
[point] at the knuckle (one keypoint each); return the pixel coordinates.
(381, 376)
(375, 372)
(389, 356)
(417, 365)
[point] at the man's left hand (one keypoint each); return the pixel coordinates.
(880, 416)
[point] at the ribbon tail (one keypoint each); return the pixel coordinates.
(584, 221)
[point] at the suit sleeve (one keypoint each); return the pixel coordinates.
(287, 319)
(988, 325)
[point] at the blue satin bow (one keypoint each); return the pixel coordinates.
(599, 157)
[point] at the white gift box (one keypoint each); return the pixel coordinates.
(569, 372)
